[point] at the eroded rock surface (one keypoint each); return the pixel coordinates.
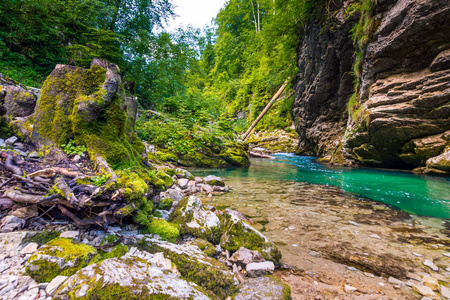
(403, 96)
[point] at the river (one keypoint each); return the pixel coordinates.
(344, 226)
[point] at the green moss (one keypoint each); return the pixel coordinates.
(238, 234)
(166, 230)
(42, 270)
(116, 291)
(182, 216)
(125, 211)
(44, 237)
(117, 251)
(165, 204)
(205, 246)
(58, 118)
(361, 34)
(235, 156)
(166, 156)
(212, 276)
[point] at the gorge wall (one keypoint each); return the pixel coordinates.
(401, 116)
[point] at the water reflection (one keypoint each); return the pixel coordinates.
(417, 194)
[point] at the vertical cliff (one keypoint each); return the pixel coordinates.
(396, 75)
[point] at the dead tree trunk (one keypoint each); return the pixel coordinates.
(266, 109)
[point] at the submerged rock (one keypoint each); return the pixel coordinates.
(267, 288)
(214, 180)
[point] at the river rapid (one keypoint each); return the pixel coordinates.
(342, 226)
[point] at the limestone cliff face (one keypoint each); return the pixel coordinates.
(404, 93)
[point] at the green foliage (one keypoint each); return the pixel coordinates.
(361, 34)
(100, 180)
(70, 148)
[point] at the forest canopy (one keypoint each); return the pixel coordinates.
(227, 69)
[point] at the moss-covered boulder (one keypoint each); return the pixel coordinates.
(195, 220)
(194, 265)
(58, 257)
(238, 233)
(230, 154)
(18, 101)
(89, 106)
(267, 288)
(136, 275)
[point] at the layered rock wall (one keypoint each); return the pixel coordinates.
(403, 117)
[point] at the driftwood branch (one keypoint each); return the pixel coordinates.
(78, 221)
(51, 172)
(9, 163)
(266, 109)
(68, 193)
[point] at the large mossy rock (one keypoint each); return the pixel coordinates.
(136, 275)
(195, 266)
(89, 106)
(195, 220)
(58, 257)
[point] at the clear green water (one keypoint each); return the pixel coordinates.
(416, 194)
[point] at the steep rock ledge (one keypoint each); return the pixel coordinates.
(403, 95)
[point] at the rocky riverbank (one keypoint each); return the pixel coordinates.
(217, 256)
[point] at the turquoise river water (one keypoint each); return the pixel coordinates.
(415, 194)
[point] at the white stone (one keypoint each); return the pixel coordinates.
(353, 223)
(429, 263)
(30, 248)
(11, 140)
(183, 183)
(369, 274)
(349, 289)
(55, 284)
(395, 281)
(82, 291)
(375, 236)
(3, 266)
(352, 268)
(70, 234)
(160, 261)
(417, 254)
(445, 292)
(431, 282)
(424, 291)
(257, 269)
(315, 254)
(446, 254)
